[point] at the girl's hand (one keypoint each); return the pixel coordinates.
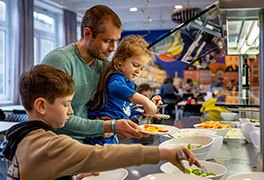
(150, 109)
(157, 100)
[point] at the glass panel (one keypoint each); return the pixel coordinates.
(2, 63)
(2, 11)
(43, 22)
(46, 46)
(198, 41)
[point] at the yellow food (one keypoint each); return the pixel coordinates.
(151, 128)
(213, 125)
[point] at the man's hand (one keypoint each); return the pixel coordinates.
(83, 175)
(128, 129)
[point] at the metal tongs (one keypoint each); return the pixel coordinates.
(158, 115)
(181, 155)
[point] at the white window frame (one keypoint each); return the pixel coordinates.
(38, 34)
(5, 26)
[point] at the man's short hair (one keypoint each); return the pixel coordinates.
(95, 18)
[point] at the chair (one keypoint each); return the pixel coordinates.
(2, 115)
(17, 116)
(192, 110)
(185, 96)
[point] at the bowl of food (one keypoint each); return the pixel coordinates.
(255, 137)
(246, 128)
(249, 121)
(201, 156)
(162, 176)
(212, 170)
(228, 116)
(197, 144)
(246, 175)
(216, 146)
(220, 128)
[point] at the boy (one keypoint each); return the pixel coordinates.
(37, 152)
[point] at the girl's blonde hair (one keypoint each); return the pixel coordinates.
(132, 45)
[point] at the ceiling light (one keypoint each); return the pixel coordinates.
(178, 6)
(133, 9)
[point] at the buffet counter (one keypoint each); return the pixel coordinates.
(236, 155)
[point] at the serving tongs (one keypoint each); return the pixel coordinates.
(182, 156)
(158, 115)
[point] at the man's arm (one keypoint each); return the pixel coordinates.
(78, 127)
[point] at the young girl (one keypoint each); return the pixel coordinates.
(116, 93)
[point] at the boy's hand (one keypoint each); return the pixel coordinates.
(171, 155)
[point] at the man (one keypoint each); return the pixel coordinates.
(85, 61)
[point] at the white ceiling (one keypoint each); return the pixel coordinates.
(151, 14)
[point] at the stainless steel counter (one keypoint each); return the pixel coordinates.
(236, 155)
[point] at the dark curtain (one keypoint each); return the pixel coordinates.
(24, 46)
(70, 25)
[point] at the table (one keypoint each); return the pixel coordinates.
(4, 126)
(12, 107)
(179, 113)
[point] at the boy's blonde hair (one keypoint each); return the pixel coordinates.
(44, 81)
(132, 45)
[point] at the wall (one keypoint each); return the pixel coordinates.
(169, 67)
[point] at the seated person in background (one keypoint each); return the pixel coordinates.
(219, 81)
(38, 152)
(191, 90)
(116, 92)
(169, 94)
(189, 86)
(145, 89)
(168, 91)
(232, 86)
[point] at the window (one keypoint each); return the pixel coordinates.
(45, 33)
(5, 63)
(78, 30)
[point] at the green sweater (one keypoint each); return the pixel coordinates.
(86, 79)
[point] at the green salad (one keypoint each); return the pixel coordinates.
(199, 172)
(191, 146)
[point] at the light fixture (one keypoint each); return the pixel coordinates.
(250, 37)
(178, 6)
(244, 48)
(184, 13)
(133, 9)
(254, 33)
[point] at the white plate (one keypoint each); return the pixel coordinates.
(185, 132)
(216, 168)
(117, 174)
(247, 176)
(163, 176)
(171, 129)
